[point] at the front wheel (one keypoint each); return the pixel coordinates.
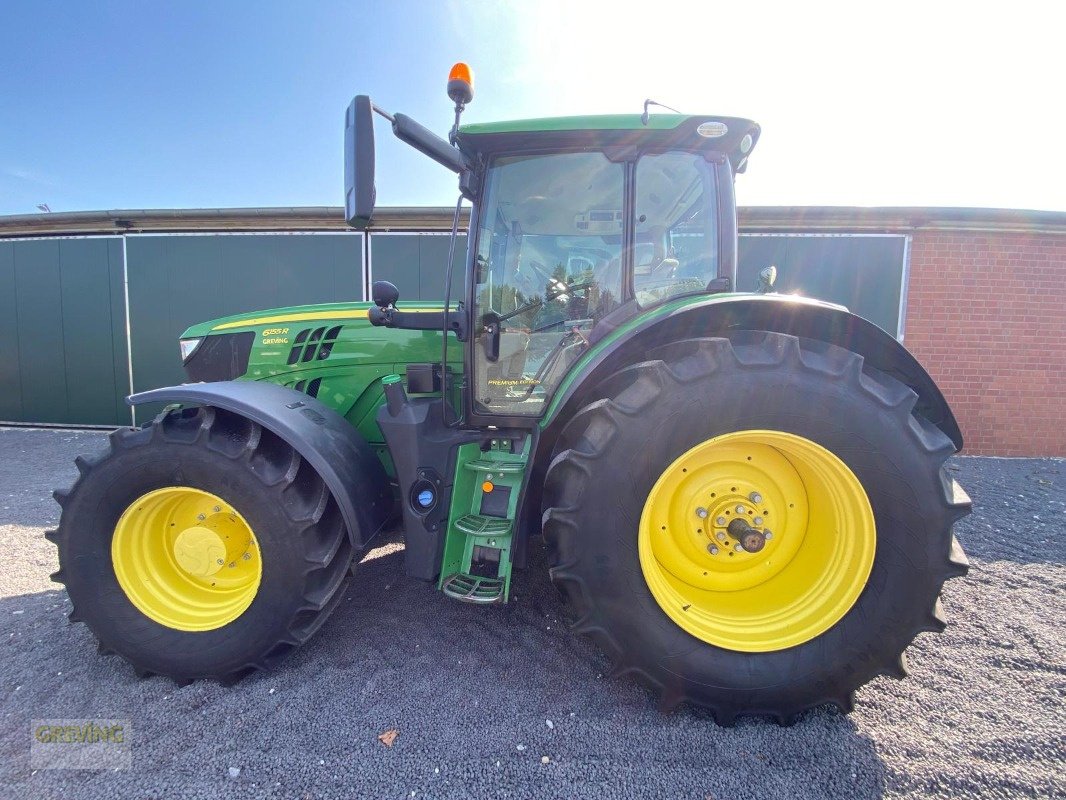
(200, 546)
(758, 524)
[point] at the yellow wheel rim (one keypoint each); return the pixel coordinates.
(802, 503)
(186, 559)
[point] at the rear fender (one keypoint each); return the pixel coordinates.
(321, 436)
(718, 316)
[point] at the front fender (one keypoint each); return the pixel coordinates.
(343, 459)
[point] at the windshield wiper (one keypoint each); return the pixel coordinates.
(548, 297)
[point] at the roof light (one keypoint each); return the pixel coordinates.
(461, 84)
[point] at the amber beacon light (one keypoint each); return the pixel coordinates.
(461, 84)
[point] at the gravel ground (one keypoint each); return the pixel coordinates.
(471, 690)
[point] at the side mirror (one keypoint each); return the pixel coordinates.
(767, 279)
(384, 294)
(490, 342)
(359, 192)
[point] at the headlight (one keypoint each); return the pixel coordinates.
(188, 347)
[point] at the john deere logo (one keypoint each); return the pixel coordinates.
(712, 130)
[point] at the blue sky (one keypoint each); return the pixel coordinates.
(222, 104)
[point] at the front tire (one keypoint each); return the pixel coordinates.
(861, 543)
(200, 546)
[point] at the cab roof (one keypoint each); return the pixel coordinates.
(627, 131)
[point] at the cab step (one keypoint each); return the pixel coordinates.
(503, 467)
(478, 525)
(477, 550)
(474, 589)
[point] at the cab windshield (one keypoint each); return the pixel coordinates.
(549, 262)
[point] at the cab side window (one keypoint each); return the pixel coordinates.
(675, 232)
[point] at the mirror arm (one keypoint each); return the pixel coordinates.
(392, 317)
(382, 112)
(426, 142)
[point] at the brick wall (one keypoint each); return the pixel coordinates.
(986, 316)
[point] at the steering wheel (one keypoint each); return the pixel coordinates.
(665, 266)
(540, 273)
(569, 323)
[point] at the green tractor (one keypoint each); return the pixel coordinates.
(742, 495)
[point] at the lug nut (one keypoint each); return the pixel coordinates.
(721, 536)
(768, 534)
(755, 497)
(738, 548)
(741, 509)
(701, 512)
(220, 562)
(216, 509)
(720, 521)
(712, 549)
(246, 556)
(201, 517)
(757, 521)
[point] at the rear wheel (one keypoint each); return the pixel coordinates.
(200, 546)
(756, 525)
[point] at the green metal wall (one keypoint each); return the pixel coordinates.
(415, 263)
(178, 280)
(862, 272)
(63, 344)
(62, 331)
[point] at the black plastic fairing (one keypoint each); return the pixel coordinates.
(220, 357)
(423, 450)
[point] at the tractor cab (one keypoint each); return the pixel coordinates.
(578, 224)
(583, 222)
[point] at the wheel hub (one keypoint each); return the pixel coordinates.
(735, 519)
(749, 538)
(199, 551)
(756, 540)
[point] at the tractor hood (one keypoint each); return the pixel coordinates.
(282, 344)
(286, 316)
(349, 313)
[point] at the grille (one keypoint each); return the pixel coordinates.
(310, 387)
(313, 344)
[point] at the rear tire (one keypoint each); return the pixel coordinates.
(615, 450)
(301, 539)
